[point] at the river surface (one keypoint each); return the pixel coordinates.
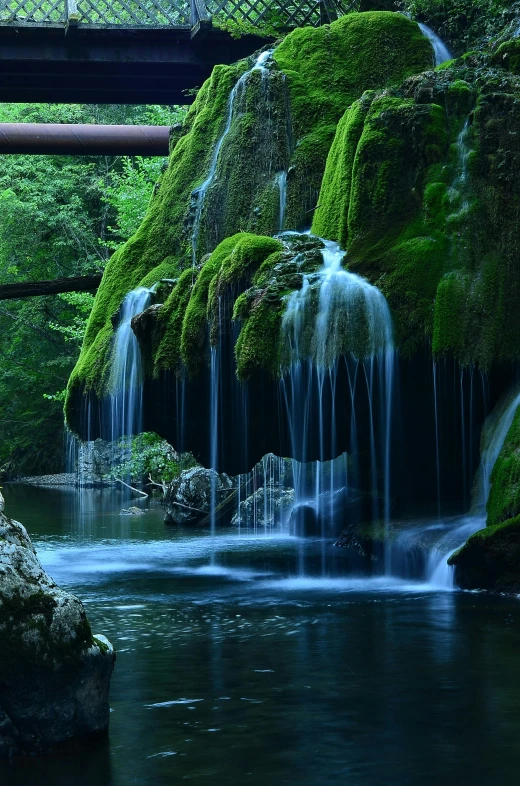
(234, 669)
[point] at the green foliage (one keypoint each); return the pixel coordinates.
(151, 456)
(58, 216)
(463, 23)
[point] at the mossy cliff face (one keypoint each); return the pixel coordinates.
(419, 188)
(54, 675)
(283, 121)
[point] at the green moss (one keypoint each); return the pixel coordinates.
(490, 559)
(327, 69)
(258, 345)
(504, 497)
(170, 319)
(237, 270)
(508, 56)
(449, 332)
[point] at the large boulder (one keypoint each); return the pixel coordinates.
(188, 498)
(54, 674)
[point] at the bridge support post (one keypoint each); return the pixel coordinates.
(328, 12)
(200, 18)
(71, 13)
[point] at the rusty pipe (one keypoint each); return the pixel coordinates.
(83, 140)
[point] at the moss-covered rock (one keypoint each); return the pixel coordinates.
(419, 189)
(283, 119)
(54, 675)
(490, 559)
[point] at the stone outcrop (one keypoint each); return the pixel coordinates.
(54, 674)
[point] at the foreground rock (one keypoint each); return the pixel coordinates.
(54, 674)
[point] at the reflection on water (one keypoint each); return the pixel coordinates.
(243, 672)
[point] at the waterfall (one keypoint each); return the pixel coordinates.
(336, 326)
(500, 423)
(126, 374)
(201, 191)
(281, 180)
(434, 544)
(441, 52)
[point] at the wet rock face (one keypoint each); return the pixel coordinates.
(54, 674)
(490, 559)
(188, 498)
(267, 507)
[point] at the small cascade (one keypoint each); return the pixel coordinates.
(422, 551)
(441, 52)
(281, 180)
(459, 187)
(337, 327)
(501, 422)
(201, 191)
(126, 374)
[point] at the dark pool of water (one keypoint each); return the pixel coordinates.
(233, 669)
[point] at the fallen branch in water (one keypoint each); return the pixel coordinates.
(163, 486)
(137, 491)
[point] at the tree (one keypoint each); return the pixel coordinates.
(60, 216)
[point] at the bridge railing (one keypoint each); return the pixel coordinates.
(171, 13)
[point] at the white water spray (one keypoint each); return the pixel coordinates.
(126, 399)
(441, 52)
(337, 323)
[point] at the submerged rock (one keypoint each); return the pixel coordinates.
(54, 674)
(132, 511)
(188, 498)
(304, 522)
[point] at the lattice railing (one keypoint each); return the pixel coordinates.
(172, 13)
(280, 13)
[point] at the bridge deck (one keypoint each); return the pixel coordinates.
(112, 66)
(132, 51)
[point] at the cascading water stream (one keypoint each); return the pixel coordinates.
(336, 323)
(281, 179)
(201, 191)
(442, 539)
(126, 378)
(441, 52)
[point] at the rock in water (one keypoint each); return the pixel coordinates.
(188, 498)
(54, 674)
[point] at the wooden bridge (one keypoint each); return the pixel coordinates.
(135, 51)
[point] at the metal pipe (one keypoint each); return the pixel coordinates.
(83, 140)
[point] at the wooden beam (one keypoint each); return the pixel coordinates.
(55, 287)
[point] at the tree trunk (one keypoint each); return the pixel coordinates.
(55, 287)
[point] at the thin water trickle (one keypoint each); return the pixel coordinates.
(201, 191)
(281, 180)
(441, 52)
